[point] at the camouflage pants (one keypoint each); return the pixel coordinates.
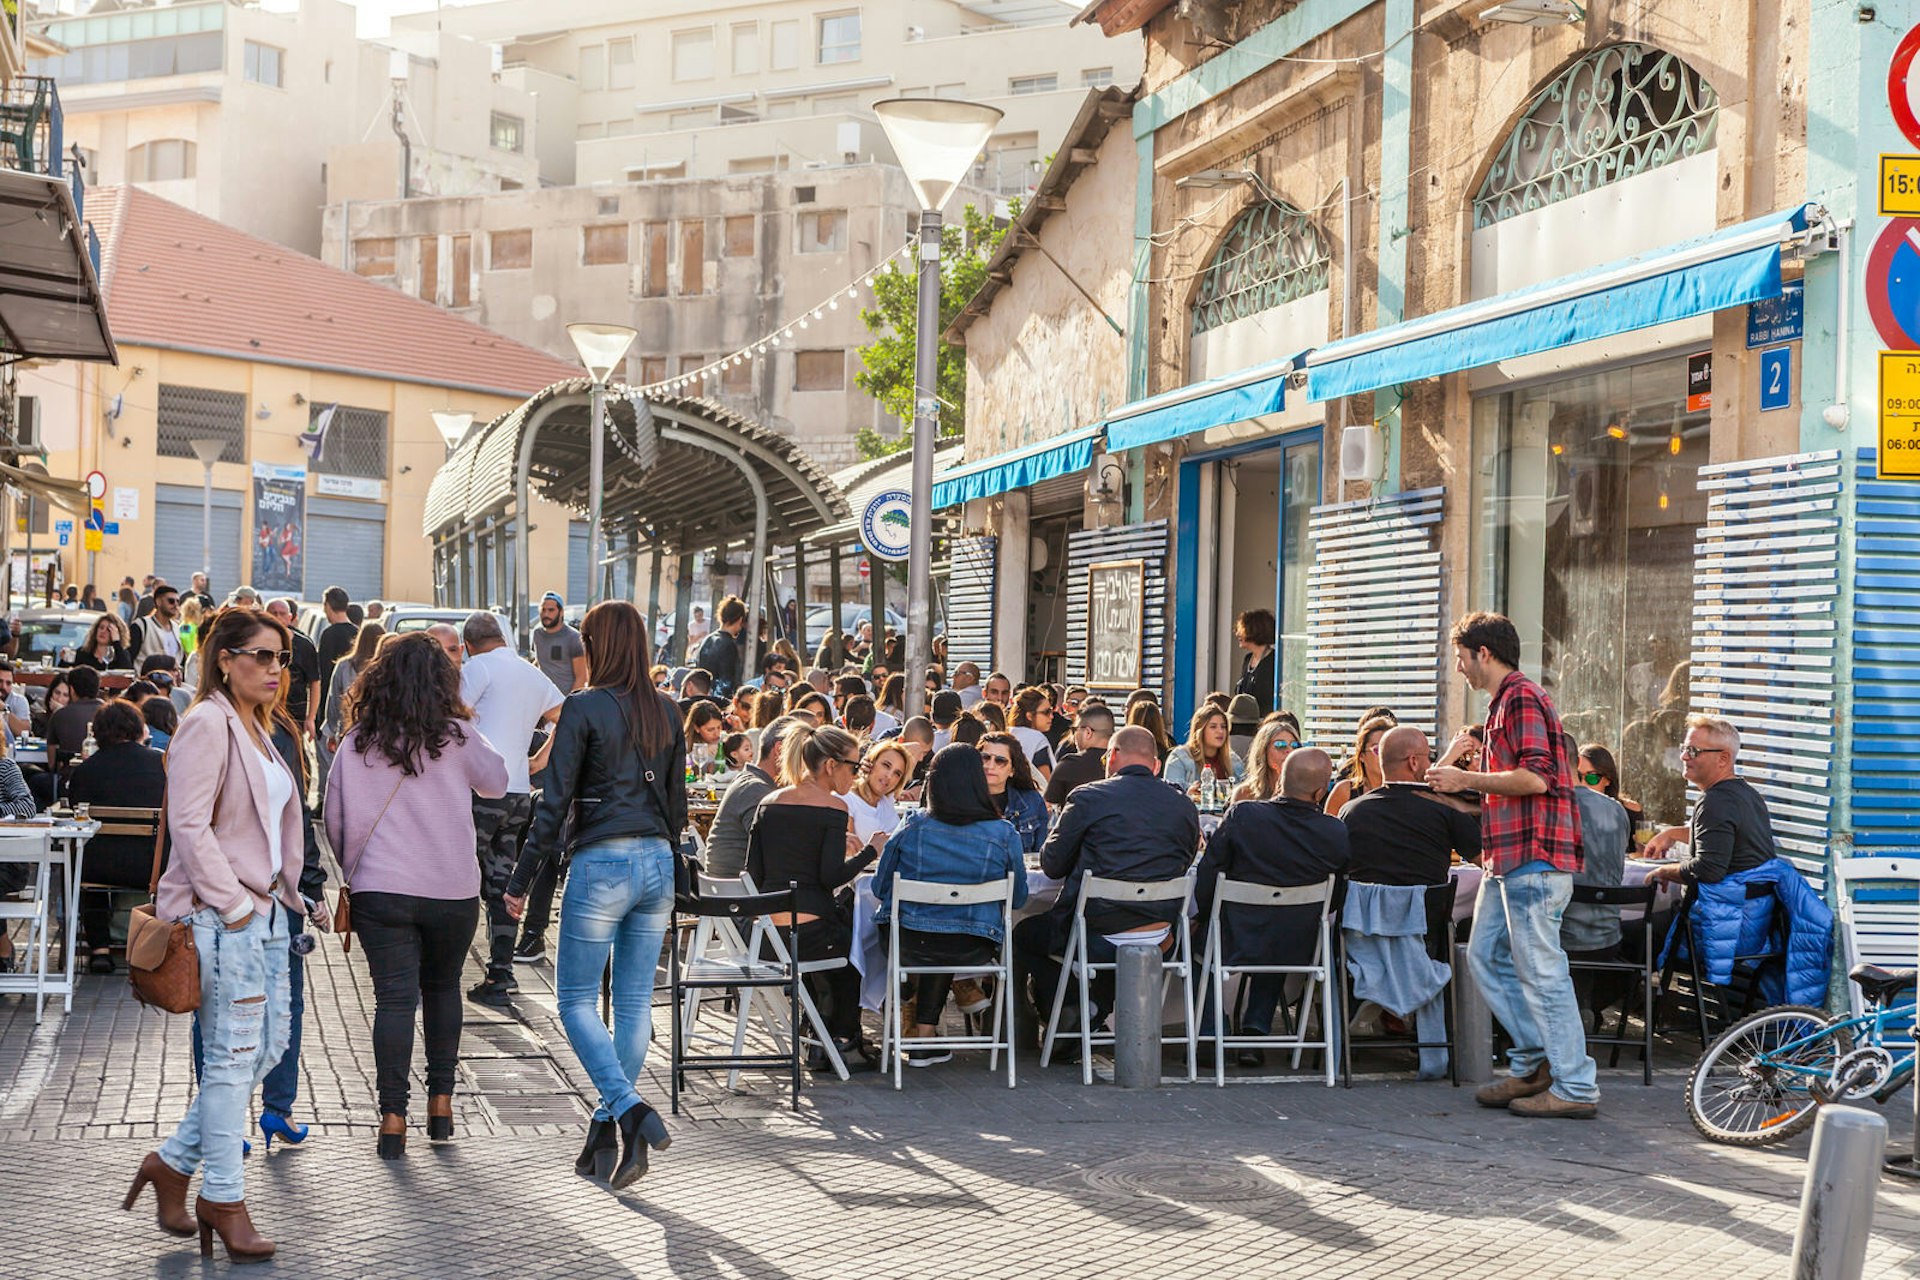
(498, 828)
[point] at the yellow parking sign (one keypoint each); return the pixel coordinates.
(92, 539)
(1899, 455)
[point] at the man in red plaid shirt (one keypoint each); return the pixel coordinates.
(1530, 847)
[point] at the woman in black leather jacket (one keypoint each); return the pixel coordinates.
(618, 764)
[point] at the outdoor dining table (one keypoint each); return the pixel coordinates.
(1468, 877)
(66, 842)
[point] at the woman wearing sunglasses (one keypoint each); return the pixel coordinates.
(1598, 770)
(234, 874)
(1276, 740)
(1015, 792)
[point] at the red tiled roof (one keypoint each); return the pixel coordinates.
(177, 279)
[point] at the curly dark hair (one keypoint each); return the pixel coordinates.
(406, 702)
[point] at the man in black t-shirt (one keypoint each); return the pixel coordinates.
(1087, 762)
(303, 677)
(1402, 832)
(1731, 830)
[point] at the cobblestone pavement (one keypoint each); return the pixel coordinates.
(956, 1175)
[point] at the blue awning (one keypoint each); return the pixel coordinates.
(1728, 268)
(1217, 402)
(1017, 469)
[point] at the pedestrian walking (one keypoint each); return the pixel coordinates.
(618, 755)
(234, 874)
(399, 817)
(1530, 847)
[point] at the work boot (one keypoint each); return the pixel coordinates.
(1503, 1092)
(970, 996)
(1551, 1105)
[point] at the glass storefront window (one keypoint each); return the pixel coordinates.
(1585, 508)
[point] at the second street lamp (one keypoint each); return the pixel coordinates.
(602, 347)
(936, 141)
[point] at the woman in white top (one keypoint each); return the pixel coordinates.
(1032, 717)
(870, 802)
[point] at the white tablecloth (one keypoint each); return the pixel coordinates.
(870, 939)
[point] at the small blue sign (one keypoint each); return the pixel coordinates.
(110, 527)
(1776, 378)
(96, 517)
(66, 535)
(1781, 319)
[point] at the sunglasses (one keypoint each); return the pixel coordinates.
(1591, 779)
(1694, 753)
(996, 759)
(1278, 745)
(851, 764)
(267, 657)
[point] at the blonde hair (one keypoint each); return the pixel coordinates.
(1722, 730)
(862, 783)
(805, 750)
(191, 611)
(1195, 746)
(1263, 781)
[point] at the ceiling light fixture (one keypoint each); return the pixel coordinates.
(1535, 13)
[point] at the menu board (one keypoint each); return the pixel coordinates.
(1116, 619)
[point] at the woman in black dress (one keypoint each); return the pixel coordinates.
(802, 835)
(1255, 632)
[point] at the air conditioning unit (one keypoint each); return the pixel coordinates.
(27, 435)
(1360, 455)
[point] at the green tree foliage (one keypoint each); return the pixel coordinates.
(965, 248)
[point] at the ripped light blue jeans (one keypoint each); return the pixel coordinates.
(243, 1031)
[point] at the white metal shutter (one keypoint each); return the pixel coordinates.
(346, 547)
(576, 564)
(1146, 543)
(177, 532)
(970, 602)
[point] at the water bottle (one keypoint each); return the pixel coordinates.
(88, 747)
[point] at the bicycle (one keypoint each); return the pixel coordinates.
(1766, 1077)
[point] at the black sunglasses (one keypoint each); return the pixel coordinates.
(281, 657)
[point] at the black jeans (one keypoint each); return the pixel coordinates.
(123, 861)
(959, 949)
(415, 947)
(838, 989)
(498, 827)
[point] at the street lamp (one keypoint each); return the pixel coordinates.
(452, 426)
(208, 450)
(602, 347)
(936, 141)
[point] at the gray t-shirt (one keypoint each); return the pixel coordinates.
(1605, 829)
(555, 652)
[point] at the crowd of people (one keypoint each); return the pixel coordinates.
(456, 782)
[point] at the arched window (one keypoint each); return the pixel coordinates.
(161, 160)
(1618, 111)
(1271, 255)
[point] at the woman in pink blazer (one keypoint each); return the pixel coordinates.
(234, 873)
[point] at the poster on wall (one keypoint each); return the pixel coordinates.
(279, 529)
(1116, 622)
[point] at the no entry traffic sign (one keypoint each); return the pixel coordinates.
(1903, 86)
(1893, 284)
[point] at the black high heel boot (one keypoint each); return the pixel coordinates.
(640, 1127)
(393, 1136)
(602, 1149)
(440, 1117)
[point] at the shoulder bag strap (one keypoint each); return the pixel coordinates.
(370, 830)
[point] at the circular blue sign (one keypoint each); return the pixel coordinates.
(886, 526)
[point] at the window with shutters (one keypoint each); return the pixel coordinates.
(1033, 84)
(162, 160)
(619, 64)
(819, 371)
(373, 257)
(652, 369)
(785, 40)
(187, 414)
(655, 241)
(822, 231)
(603, 246)
(593, 68)
(693, 256)
(510, 250)
(693, 54)
(460, 287)
(429, 284)
(355, 443)
(260, 64)
(739, 237)
(737, 379)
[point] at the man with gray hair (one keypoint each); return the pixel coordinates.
(1731, 830)
(510, 699)
(303, 677)
(727, 841)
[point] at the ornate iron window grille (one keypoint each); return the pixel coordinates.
(1271, 255)
(1618, 111)
(187, 414)
(356, 443)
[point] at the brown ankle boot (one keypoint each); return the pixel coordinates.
(244, 1244)
(169, 1195)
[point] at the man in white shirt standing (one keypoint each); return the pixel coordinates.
(509, 698)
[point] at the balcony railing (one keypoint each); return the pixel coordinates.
(33, 140)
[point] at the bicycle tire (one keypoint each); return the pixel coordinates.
(1733, 1102)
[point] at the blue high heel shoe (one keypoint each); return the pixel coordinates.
(274, 1125)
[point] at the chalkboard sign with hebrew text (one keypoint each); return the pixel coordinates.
(1116, 620)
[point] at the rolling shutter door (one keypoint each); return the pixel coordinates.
(1146, 543)
(177, 532)
(970, 603)
(346, 547)
(576, 564)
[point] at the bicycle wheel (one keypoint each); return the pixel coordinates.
(1746, 1092)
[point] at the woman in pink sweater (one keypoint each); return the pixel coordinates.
(399, 816)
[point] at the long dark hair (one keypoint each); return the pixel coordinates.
(1022, 776)
(406, 702)
(957, 787)
(615, 637)
(231, 628)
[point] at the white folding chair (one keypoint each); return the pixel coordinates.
(1214, 972)
(999, 1019)
(772, 936)
(1878, 927)
(35, 849)
(1077, 966)
(714, 938)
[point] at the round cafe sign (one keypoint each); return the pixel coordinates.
(886, 526)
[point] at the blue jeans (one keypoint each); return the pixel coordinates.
(282, 1085)
(619, 897)
(1517, 959)
(243, 1021)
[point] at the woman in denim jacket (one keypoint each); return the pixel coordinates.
(1011, 785)
(958, 839)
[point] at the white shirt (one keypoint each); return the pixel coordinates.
(871, 818)
(883, 724)
(1034, 743)
(279, 796)
(508, 697)
(971, 695)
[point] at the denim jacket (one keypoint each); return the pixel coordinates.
(925, 848)
(1027, 811)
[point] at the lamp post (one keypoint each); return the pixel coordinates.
(208, 450)
(601, 348)
(936, 141)
(452, 427)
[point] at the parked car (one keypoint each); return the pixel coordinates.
(418, 617)
(820, 617)
(44, 633)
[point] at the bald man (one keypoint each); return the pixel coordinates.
(447, 638)
(1286, 841)
(1128, 826)
(1402, 832)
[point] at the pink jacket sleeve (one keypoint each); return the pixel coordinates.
(194, 775)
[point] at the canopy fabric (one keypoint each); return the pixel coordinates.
(51, 306)
(1727, 268)
(1015, 469)
(1232, 397)
(70, 494)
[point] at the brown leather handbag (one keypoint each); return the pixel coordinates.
(162, 961)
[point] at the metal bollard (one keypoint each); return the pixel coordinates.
(1472, 1023)
(1836, 1205)
(1136, 1017)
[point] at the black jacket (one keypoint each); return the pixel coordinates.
(1131, 826)
(121, 659)
(596, 772)
(128, 775)
(1279, 842)
(1404, 834)
(719, 657)
(313, 874)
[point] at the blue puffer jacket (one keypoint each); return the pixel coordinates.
(1728, 924)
